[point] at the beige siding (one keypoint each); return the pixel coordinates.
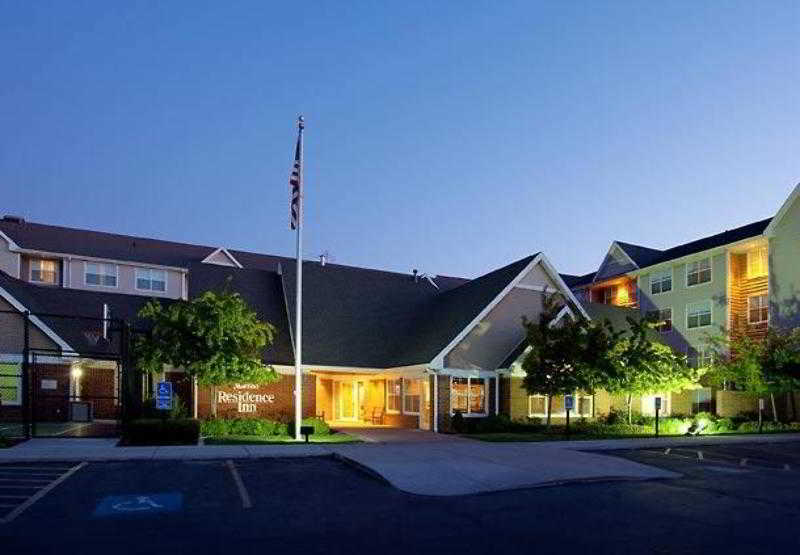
(126, 281)
(12, 339)
(9, 261)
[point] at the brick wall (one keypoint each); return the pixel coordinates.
(282, 407)
(732, 403)
(443, 403)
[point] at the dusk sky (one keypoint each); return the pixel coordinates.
(453, 137)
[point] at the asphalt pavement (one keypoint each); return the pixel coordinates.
(321, 505)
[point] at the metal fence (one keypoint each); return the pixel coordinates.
(63, 375)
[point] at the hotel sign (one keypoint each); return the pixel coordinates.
(246, 400)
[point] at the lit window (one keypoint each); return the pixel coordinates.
(10, 384)
(758, 309)
(537, 405)
(101, 274)
(44, 271)
(394, 391)
(662, 319)
(698, 272)
(411, 396)
(148, 279)
(610, 294)
(757, 262)
(468, 395)
(661, 282)
(698, 315)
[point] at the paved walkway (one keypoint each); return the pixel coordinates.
(434, 465)
(374, 434)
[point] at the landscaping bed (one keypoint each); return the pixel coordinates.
(261, 431)
(502, 429)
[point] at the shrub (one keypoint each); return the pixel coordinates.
(458, 424)
(321, 428)
(495, 423)
(4, 441)
(178, 410)
(673, 425)
(155, 431)
(219, 427)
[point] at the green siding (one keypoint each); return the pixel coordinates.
(784, 269)
(681, 296)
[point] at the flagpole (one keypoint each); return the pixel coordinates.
(298, 324)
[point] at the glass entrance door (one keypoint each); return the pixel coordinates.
(347, 401)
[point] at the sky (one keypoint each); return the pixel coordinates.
(452, 137)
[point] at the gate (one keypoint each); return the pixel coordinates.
(79, 398)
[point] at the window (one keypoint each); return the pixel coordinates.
(662, 318)
(661, 282)
(583, 404)
(393, 393)
(10, 384)
(609, 294)
(698, 272)
(757, 262)
(411, 396)
(148, 279)
(44, 271)
(468, 395)
(698, 315)
(701, 357)
(537, 405)
(702, 400)
(757, 309)
(101, 274)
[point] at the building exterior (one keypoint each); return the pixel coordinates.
(379, 347)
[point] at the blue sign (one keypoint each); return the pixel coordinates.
(164, 395)
(139, 504)
(569, 402)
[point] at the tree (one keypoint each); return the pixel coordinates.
(762, 366)
(216, 338)
(565, 355)
(643, 365)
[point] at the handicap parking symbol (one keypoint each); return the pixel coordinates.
(139, 504)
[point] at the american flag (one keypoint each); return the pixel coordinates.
(296, 182)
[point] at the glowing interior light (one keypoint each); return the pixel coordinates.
(76, 372)
(622, 295)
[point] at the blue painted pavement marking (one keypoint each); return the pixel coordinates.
(139, 504)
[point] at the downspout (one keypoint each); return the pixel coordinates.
(496, 393)
(435, 403)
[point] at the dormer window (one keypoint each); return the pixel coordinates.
(44, 271)
(148, 279)
(100, 274)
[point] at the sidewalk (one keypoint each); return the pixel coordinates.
(444, 468)
(77, 449)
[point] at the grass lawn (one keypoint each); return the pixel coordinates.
(279, 440)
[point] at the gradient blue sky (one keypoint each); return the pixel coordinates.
(453, 137)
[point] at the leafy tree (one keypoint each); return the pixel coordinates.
(642, 365)
(564, 356)
(765, 367)
(216, 338)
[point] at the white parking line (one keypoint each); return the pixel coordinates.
(39, 494)
(246, 503)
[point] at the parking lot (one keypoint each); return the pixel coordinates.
(321, 505)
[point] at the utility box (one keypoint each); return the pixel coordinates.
(80, 411)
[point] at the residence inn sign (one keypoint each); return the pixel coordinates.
(244, 398)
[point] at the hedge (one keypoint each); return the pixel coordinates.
(261, 427)
(153, 431)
